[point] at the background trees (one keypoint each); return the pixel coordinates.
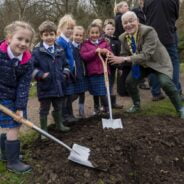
(36, 11)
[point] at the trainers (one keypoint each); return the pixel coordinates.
(134, 109)
(158, 98)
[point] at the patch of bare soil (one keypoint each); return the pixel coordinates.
(148, 150)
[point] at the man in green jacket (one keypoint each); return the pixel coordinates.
(142, 47)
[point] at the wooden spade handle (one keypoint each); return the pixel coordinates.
(15, 116)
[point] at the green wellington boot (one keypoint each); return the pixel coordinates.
(43, 124)
(58, 120)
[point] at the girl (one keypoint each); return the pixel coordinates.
(94, 68)
(15, 78)
(65, 31)
(81, 81)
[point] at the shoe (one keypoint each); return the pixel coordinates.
(114, 104)
(13, 162)
(97, 111)
(144, 86)
(181, 113)
(158, 98)
(57, 115)
(182, 97)
(134, 109)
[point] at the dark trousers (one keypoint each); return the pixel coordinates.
(121, 78)
(154, 82)
(45, 105)
(166, 83)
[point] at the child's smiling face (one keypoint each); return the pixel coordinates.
(78, 36)
(20, 41)
(94, 33)
(49, 37)
(67, 30)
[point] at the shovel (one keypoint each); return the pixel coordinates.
(78, 154)
(109, 123)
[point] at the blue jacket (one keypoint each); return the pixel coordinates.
(56, 65)
(68, 48)
(15, 77)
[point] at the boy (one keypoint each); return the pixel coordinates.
(109, 28)
(50, 71)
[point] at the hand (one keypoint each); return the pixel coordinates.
(98, 50)
(45, 75)
(19, 113)
(117, 59)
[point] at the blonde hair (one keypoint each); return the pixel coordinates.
(14, 26)
(109, 21)
(99, 22)
(65, 20)
(81, 28)
(119, 5)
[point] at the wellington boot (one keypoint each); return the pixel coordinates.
(58, 120)
(2, 147)
(12, 153)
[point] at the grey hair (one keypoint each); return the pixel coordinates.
(129, 14)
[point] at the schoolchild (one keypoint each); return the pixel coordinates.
(115, 44)
(81, 84)
(50, 72)
(15, 78)
(119, 9)
(94, 68)
(65, 32)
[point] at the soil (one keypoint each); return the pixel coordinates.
(148, 150)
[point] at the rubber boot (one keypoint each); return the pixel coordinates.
(43, 122)
(12, 153)
(2, 147)
(58, 120)
(114, 104)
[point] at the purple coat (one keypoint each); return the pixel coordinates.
(88, 53)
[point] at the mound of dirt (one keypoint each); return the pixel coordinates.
(148, 150)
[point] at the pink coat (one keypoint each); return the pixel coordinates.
(88, 53)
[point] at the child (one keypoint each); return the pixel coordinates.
(15, 78)
(89, 52)
(115, 44)
(81, 81)
(65, 31)
(50, 71)
(119, 10)
(123, 72)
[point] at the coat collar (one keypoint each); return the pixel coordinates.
(25, 57)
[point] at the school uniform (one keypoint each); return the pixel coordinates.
(81, 83)
(50, 59)
(15, 78)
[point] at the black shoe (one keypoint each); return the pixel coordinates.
(12, 153)
(158, 98)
